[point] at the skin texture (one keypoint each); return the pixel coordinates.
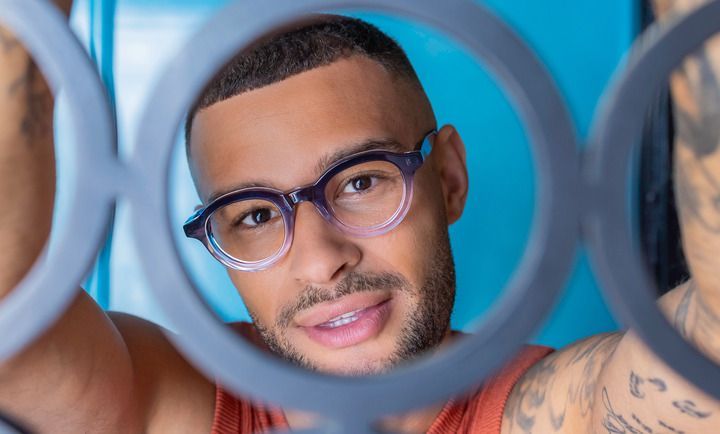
(91, 372)
(26, 112)
(106, 373)
(614, 384)
(317, 113)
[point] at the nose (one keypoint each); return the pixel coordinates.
(320, 253)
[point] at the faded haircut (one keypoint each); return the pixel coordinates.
(321, 41)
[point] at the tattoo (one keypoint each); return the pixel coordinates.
(615, 423)
(688, 407)
(688, 197)
(666, 426)
(706, 328)
(644, 427)
(701, 131)
(704, 209)
(701, 326)
(658, 383)
(531, 399)
(637, 390)
(698, 130)
(635, 382)
(37, 120)
(714, 201)
(594, 358)
(557, 420)
(30, 91)
(681, 314)
(533, 394)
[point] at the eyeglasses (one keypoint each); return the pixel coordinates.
(364, 195)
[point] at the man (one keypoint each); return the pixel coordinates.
(350, 275)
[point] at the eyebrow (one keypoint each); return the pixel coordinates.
(384, 143)
(327, 160)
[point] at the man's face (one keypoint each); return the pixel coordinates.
(334, 302)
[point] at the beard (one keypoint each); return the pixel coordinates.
(424, 327)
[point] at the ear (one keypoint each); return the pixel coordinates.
(448, 155)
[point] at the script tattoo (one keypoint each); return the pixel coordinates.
(642, 425)
(530, 401)
(668, 427)
(615, 423)
(688, 407)
(658, 383)
(637, 385)
(635, 382)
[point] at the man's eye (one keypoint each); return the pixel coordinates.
(360, 184)
(258, 216)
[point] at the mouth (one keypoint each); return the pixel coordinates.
(348, 321)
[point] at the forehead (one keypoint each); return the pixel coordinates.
(275, 135)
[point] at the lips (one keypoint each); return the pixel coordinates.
(343, 319)
(346, 322)
(329, 311)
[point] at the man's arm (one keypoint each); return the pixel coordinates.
(88, 373)
(614, 383)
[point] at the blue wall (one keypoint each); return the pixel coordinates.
(581, 43)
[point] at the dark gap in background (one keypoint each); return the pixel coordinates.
(659, 228)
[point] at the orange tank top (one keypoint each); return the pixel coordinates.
(481, 413)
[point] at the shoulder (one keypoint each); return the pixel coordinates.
(486, 407)
(556, 394)
(173, 394)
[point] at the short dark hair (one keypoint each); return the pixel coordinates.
(320, 41)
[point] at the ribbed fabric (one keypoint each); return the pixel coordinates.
(240, 416)
(481, 413)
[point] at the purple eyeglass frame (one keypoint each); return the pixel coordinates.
(198, 227)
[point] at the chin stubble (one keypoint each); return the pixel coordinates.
(425, 327)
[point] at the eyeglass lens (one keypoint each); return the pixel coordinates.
(364, 196)
(248, 230)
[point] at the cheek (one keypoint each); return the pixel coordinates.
(406, 249)
(261, 292)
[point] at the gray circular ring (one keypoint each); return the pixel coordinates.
(217, 351)
(8, 426)
(51, 284)
(616, 130)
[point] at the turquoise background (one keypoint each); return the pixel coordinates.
(580, 42)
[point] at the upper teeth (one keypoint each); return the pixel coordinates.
(343, 319)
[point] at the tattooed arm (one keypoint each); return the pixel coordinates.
(45, 378)
(89, 372)
(614, 383)
(26, 123)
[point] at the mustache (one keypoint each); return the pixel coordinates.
(353, 282)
